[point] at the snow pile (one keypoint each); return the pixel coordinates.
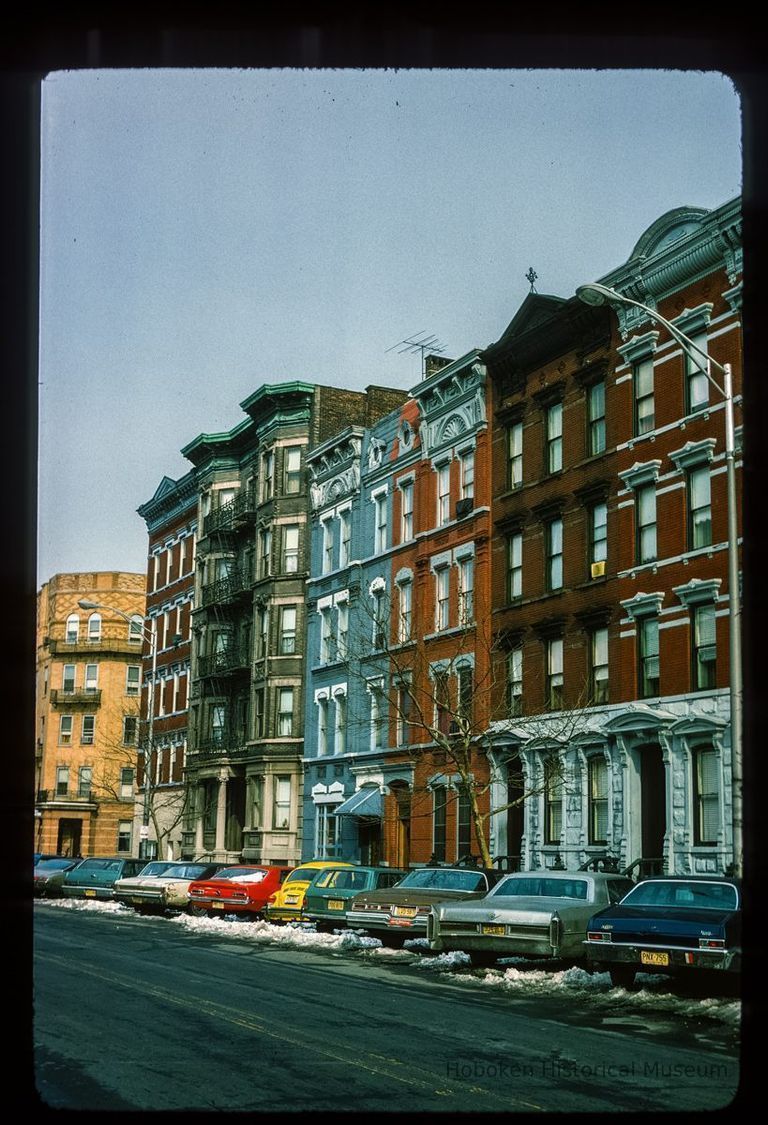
(104, 905)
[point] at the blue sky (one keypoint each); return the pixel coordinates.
(206, 231)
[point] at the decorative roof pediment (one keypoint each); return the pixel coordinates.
(639, 717)
(698, 723)
(669, 228)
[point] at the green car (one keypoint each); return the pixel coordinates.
(332, 890)
(96, 876)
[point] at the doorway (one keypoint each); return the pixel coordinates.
(369, 837)
(70, 836)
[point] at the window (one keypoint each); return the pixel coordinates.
(327, 546)
(442, 701)
(262, 631)
(130, 730)
(288, 630)
(515, 682)
(292, 470)
(696, 381)
(515, 455)
(645, 523)
(257, 800)
(704, 647)
(598, 665)
(62, 781)
(467, 475)
(258, 713)
(555, 554)
(285, 712)
(466, 591)
(379, 624)
(340, 733)
(342, 631)
(267, 475)
(91, 677)
(597, 781)
(265, 552)
(322, 726)
(403, 706)
(88, 729)
(554, 422)
(73, 629)
(68, 678)
(464, 824)
(406, 511)
(327, 844)
(643, 394)
(443, 494)
(648, 656)
(65, 730)
(405, 592)
(598, 532)
(705, 796)
(553, 802)
(442, 594)
(218, 724)
(84, 777)
(464, 692)
(554, 685)
(699, 508)
(377, 714)
(439, 803)
(94, 627)
(380, 517)
(291, 549)
(281, 805)
(325, 634)
(124, 836)
(596, 418)
(132, 679)
(126, 783)
(345, 537)
(515, 566)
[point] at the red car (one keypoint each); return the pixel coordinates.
(236, 890)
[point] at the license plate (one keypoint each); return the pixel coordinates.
(647, 957)
(291, 898)
(404, 912)
(90, 894)
(498, 931)
(335, 904)
(137, 901)
(218, 905)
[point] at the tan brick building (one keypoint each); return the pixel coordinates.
(87, 712)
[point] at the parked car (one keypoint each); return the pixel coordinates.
(236, 890)
(162, 886)
(527, 914)
(331, 892)
(676, 924)
(287, 903)
(48, 875)
(400, 912)
(96, 876)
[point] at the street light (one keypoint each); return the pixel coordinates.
(596, 294)
(86, 603)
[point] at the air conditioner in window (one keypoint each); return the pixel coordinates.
(464, 507)
(597, 570)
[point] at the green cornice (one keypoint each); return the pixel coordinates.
(171, 498)
(276, 391)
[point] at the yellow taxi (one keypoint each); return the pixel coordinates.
(287, 903)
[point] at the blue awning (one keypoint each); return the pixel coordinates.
(365, 802)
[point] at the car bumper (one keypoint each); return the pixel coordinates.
(88, 892)
(385, 923)
(518, 946)
(678, 960)
(222, 906)
(285, 914)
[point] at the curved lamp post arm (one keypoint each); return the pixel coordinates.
(595, 294)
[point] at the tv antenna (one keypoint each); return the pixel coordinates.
(419, 341)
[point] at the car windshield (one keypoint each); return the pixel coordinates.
(668, 892)
(541, 887)
(444, 879)
(348, 880)
(303, 875)
(243, 874)
(156, 868)
(54, 864)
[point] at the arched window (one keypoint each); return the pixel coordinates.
(94, 627)
(73, 628)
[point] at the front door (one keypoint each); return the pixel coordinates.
(653, 803)
(369, 836)
(69, 837)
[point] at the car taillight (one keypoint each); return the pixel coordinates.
(711, 943)
(272, 899)
(554, 931)
(598, 935)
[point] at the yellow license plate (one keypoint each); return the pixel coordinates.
(137, 901)
(335, 904)
(647, 957)
(291, 899)
(90, 894)
(404, 912)
(497, 931)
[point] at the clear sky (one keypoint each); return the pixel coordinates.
(207, 231)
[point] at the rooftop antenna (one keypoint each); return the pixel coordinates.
(419, 342)
(531, 276)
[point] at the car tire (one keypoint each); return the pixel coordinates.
(480, 960)
(622, 976)
(198, 911)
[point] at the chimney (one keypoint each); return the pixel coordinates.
(434, 363)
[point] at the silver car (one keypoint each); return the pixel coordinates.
(527, 914)
(162, 885)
